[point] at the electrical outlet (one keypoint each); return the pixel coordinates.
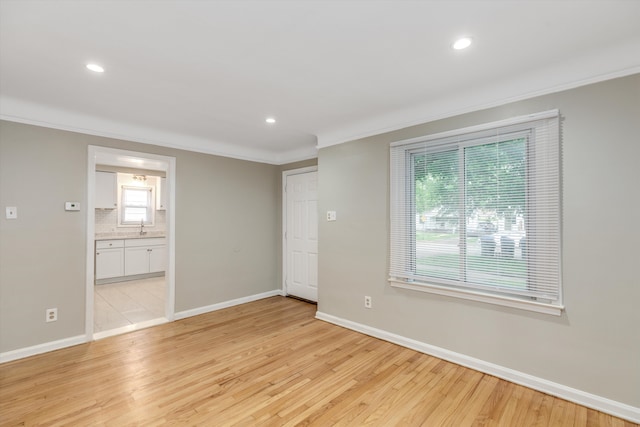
(52, 314)
(367, 302)
(12, 212)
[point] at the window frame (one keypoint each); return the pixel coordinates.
(150, 206)
(403, 211)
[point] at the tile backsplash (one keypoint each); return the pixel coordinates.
(107, 219)
(107, 222)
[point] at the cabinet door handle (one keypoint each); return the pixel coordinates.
(97, 253)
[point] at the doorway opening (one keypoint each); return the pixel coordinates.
(130, 278)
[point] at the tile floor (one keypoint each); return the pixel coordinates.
(127, 303)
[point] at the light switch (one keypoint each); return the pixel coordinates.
(12, 212)
(331, 215)
(71, 206)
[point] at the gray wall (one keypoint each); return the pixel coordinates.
(595, 345)
(228, 212)
(226, 230)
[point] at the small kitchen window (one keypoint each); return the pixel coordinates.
(136, 206)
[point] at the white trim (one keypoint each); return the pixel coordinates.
(451, 106)
(401, 208)
(454, 104)
(226, 304)
(170, 232)
(296, 155)
(471, 295)
(21, 353)
(580, 397)
(90, 244)
(21, 111)
(82, 339)
(481, 127)
(300, 170)
(114, 156)
(129, 328)
(286, 174)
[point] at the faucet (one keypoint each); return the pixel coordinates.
(142, 232)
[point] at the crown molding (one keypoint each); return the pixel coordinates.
(569, 74)
(572, 73)
(20, 111)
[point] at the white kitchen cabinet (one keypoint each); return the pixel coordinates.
(142, 256)
(136, 261)
(106, 190)
(157, 259)
(161, 195)
(119, 259)
(109, 259)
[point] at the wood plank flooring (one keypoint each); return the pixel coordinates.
(266, 363)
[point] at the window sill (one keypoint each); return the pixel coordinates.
(539, 307)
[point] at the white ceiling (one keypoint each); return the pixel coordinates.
(204, 75)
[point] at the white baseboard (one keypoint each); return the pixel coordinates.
(227, 304)
(580, 397)
(81, 339)
(21, 353)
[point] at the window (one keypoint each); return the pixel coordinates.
(136, 206)
(475, 213)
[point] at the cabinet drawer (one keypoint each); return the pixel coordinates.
(150, 241)
(107, 244)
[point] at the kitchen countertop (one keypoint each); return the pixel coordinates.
(128, 235)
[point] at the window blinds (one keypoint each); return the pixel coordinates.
(136, 205)
(479, 209)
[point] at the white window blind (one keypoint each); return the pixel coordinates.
(477, 210)
(136, 205)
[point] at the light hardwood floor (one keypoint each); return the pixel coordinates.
(265, 363)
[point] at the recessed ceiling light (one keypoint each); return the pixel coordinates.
(96, 68)
(270, 120)
(462, 43)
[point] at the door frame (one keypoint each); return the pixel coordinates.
(286, 174)
(118, 157)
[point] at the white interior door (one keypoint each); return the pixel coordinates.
(301, 235)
